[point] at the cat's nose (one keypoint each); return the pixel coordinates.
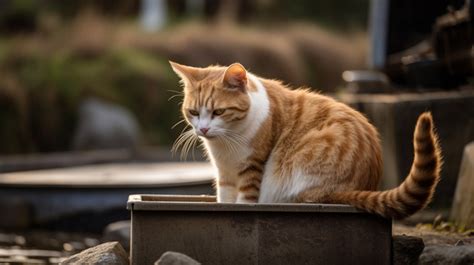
(204, 130)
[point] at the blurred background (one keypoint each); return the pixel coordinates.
(56, 56)
(89, 106)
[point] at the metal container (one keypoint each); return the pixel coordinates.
(225, 233)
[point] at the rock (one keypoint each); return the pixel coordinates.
(107, 253)
(104, 125)
(407, 249)
(463, 205)
(118, 231)
(447, 255)
(175, 258)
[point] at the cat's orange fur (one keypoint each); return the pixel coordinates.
(274, 144)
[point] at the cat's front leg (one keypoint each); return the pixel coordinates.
(226, 191)
(250, 178)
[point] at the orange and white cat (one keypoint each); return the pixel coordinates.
(271, 144)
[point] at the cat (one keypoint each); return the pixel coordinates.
(272, 144)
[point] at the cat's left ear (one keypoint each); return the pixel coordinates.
(187, 73)
(236, 76)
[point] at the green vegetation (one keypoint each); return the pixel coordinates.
(40, 94)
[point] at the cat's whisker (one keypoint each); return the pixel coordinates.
(184, 150)
(175, 91)
(177, 144)
(182, 138)
(233, 134)
(178, 141)
(174, 96)
(238, 141)
(236, 138)
(228, 146)
(182, 146)
(195, 140)
(239, 144)
(188, 145)
(233, 144)
(191, 146)
(178, 123)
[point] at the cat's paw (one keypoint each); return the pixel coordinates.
(247, 199)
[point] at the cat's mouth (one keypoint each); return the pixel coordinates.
(208, 135)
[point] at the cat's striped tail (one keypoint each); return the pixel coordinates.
(417, 189)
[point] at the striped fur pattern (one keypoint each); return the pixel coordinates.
(272, 144)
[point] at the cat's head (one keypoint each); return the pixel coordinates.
(215, 98)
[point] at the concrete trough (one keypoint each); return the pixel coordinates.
(223, 233)
(87, 198)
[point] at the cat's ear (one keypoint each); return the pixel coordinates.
(236, 76)
(187, 73)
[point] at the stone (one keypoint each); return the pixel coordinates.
(118, 231)
(107, 253)
(104, 125)
(395, 117)
(407, 249)
(463, 206)
(447, 255)
(175, 258)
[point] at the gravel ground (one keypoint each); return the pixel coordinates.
(41, 246)
(433, 236)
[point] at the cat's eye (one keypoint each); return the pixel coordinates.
(218, 112)
(194, 112)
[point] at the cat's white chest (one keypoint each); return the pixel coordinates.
(229, 157)
(228, 162)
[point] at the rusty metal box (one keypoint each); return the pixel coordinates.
(225, 233)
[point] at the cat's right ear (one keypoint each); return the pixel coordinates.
(187, 74)
(235, 76)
